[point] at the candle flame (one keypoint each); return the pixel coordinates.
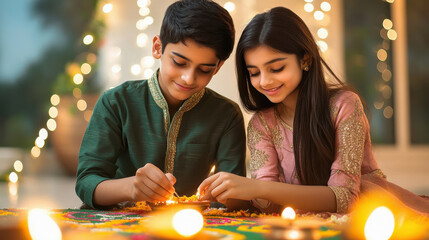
(288, 213)
(188, 222)
(213, 169)
(168, 202)
(41, 226)
(380, 224)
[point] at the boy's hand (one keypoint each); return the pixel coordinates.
(151, 184)
(223, 186)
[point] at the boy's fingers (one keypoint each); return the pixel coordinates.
(156, 180)
(171, 178)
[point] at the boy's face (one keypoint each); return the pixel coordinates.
(185, 69)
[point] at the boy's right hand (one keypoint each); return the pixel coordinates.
(151, 184)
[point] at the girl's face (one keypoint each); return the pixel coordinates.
(273, 73)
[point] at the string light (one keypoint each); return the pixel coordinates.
(136, 69)
(88, 39)
(78, 79)
(323, 19)
(81, 105)
(229, 6)
(85, 68)
(107, 8)
(325, 6)
(55, 100)
(319, 15)
(144, 11)
(76, 71)
(144, 67)
(18, 166)
(388, 34)
(308, 7)
(116, 68)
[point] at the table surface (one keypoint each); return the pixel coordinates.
(130, 224)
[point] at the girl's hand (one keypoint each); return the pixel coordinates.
(223, 186)
(151, 184)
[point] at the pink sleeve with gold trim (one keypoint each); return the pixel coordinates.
(351, 127)
(263, 157)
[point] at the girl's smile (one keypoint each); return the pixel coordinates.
(273, 91)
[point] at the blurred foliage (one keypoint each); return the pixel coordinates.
(27, 98)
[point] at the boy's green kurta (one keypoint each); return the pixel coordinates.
(130, 126)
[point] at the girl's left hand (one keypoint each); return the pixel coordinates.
(223, 186)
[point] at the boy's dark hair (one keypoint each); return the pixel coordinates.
(203, 21)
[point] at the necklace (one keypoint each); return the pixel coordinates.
(285, 125)
(281, 120)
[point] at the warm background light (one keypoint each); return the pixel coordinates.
(78, 79)
(51, 124)
(107, 8)
(43, 133)
(18, 166)
(55, 99)
(13, 177)
(229, 6)
(88, 39)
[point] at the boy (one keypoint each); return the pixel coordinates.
(146, 136)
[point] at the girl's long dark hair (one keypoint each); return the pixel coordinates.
(313, 129)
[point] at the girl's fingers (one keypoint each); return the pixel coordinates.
(202, 189)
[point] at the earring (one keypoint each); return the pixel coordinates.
(306, 68)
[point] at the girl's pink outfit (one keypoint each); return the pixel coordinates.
(270, 141)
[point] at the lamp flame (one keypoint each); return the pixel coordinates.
(188, 222)
(380, 224)
(288, 213)
(41, 226)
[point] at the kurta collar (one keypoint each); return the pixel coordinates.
(171, 130)
(158, 97)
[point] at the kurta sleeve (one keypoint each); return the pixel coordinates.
(101, 146)
(351, 127)
(231, 153)
(264, 164)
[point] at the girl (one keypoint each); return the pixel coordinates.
(309, 141)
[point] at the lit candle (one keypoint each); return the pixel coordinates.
(380, 224)
(42, 227)
(287, 227)
(175, 223)
(212, 170)
(188, 222)
(288, 215)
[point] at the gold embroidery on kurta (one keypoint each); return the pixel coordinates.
(175, 127)
(159, 99)
(277, 137)
(257, 157)
(378, 172)
(351, 141)
(173, 131)
(333, 108)
(342, 195)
